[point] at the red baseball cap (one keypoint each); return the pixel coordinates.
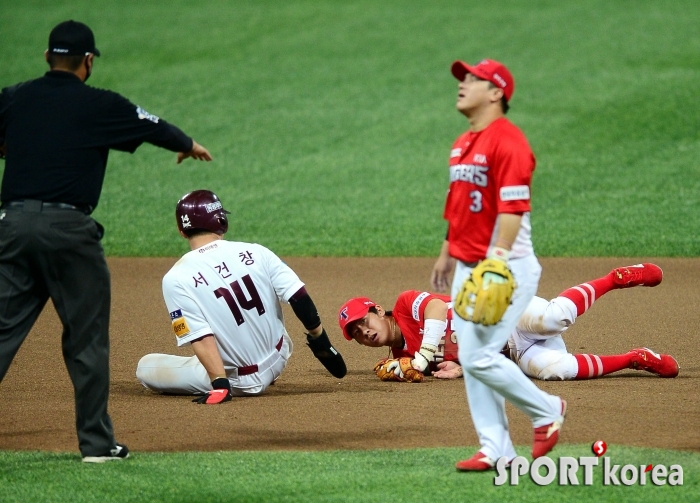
(487, 69)
(353, 310)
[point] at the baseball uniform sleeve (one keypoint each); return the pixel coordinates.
(186, 316)
(285, 281)
(408, 321)
(414, 301)
(514, 164)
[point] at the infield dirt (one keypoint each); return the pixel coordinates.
(308, 409)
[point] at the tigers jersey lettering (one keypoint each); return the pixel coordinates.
(491, 175)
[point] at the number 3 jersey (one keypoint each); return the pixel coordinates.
(490, 173)
(232, 290)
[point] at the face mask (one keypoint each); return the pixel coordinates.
(89, 70)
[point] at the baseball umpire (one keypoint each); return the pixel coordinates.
(56, 133)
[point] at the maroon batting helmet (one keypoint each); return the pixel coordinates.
(201, 210)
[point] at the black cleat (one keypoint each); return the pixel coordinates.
(117, 454)
(327, 354)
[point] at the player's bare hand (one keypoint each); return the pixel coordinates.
(198, 152)
(442, 271)
(448, 370)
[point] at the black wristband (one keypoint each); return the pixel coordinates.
(221, 383)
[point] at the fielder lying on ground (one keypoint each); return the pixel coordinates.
(419, 329)
(224, 299)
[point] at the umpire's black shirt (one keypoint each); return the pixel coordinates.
(58, 132)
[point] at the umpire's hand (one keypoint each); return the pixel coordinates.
(198, 152)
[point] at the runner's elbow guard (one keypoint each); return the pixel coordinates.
(305, 310)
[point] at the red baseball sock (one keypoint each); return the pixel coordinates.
(585, 294)
(592, 366)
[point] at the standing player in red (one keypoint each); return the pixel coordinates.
(536, 344)
(488, 214)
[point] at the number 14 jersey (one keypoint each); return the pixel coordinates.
(233, 291)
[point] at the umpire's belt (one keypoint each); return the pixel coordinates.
(252, 369)
(34, 205)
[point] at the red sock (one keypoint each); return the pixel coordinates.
(585, 294)
(592, 366)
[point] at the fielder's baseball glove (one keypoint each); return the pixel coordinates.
(397, 369)
(486, 294)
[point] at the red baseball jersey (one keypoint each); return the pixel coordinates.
(409, 313)
(490, 173)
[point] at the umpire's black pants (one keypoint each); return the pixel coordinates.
(57, 253)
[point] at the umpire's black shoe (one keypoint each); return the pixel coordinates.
(327, 354)
(117, 454)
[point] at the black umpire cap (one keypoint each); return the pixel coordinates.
(72, 38)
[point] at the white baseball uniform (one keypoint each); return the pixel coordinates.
(490, 378)
(233, 291)
(536, 344)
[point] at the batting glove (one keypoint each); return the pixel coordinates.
(395, 367)
(220, 394)
(423, 357)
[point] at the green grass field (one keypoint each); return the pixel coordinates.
(331, 124)
(419, 475)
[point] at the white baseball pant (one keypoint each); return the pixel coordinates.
(537, 345)
(489, 377)
(182, 375)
